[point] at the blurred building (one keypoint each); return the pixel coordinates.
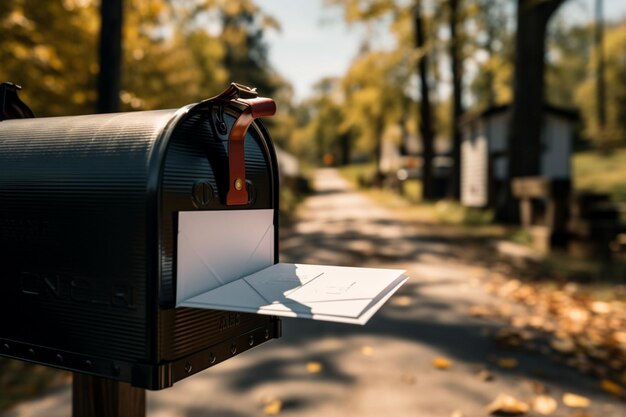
(484, 153)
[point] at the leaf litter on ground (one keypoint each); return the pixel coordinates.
(505, 404)
(566, 322)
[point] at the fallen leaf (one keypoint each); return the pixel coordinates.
(401, 301)
(273, 407)
(620, 338)
(442, 363)
(367, 350)
(575, 401)
(600, 307)
(507, 363)
(505, 404)
(314, 367)
(610, 386)
(485, 375)
(544, 404)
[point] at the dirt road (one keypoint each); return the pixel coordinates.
(386, 367)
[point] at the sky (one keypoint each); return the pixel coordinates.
(314, 42)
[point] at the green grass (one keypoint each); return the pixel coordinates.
(410, 205)
(597, 172)
(356, 174)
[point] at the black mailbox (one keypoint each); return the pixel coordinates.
(89, 207)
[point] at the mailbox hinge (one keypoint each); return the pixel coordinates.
(11, 107)
(253, 107)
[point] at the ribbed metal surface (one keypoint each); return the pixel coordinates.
(72, 231)
(198, 153)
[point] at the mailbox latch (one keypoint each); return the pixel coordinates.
(11, 107)
(253, 107)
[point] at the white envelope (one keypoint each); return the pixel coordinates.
(217, 247)
(210, 276)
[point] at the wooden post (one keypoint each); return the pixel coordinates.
(100, 397)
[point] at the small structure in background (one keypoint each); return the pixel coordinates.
(484, 153)
(543, 209)
(594, 226)
(404, 162)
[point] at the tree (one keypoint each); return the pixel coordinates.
(374, 95)
(613, 133)
(569, 52)
(50, 48)
(327, 116)
(110, 54)
(409, 26)
(456, 68)
(599, 53)
(490, 48)
(528, 86)
(426, 127)
(524, 150)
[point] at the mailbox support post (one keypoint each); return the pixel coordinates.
(100, 397)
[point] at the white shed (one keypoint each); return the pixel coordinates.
(484, 156)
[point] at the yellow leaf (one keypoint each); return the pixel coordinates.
(401, 300)
(273, 408)
(575, 401)
(314, 367)
(544, 404)
(612, 387)
(600, 307)
(620, 338)
(367, 350)
(505, 404)
(507, 363)
(442, 363)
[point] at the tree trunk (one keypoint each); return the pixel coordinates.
(110, 77)
(457, 104)
(379, 129)
(524, 152)
(426, 128)
(600, 86)
(489, 48)
(346, 148)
